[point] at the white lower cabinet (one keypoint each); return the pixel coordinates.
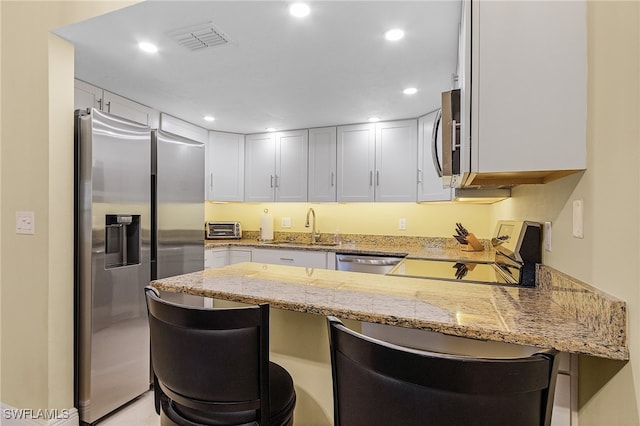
(307, 259)
(223, 256)
(216, 257)
(237, 255)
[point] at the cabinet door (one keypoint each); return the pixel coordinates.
(224, 180)
(259, 171)
(86, 95)
(216, 258)
(302, 258)
(322, 164)
(125, 108)
(396, 171)
(183, 128)
(356, 162)
(429, 181)
(239, 255)
(529, 88)
(292, 153)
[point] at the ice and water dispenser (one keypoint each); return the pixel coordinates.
(122, 240)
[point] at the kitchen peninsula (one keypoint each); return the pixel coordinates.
(560, 313)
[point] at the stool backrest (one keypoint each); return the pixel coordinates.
(378, 383)
(211, 360)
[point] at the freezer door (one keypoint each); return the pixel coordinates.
(179, 215)
(113, 247)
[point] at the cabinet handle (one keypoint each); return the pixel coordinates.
(286, 259)
(211, 180)
(453, 135)
(271, 181)
(378, 178)
(370, 178)
(419, 176)
(100, 104)
(332, 179)
(109, 107)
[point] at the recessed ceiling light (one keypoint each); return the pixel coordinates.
(208, 118)
(299, 10)
(147, 47)
(270, 129)
(410, 91)
(393, 35)
(373, 119)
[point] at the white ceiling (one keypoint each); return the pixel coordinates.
(332, 67)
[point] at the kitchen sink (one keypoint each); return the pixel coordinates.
(299, 244)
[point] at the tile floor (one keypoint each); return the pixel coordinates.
(139, 412)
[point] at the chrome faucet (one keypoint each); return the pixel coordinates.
(313, 230)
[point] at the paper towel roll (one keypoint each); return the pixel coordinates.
(266, 227)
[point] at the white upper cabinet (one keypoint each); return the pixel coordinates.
(224, 180)
(183, 128)
(528, 90)
(259, 167)
(276, 166)
(377, 162)
(89, 96)
(430, 186)
(292, 156)
(396, 165)
(322, 164)
(356, 162)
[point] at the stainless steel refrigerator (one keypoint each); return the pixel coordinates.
(115, 248)
(177, 209)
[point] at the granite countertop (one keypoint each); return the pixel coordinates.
(560, 313)
(410, 247)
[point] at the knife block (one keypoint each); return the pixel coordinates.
(473, 244)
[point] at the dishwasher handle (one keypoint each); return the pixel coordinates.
(369, 260)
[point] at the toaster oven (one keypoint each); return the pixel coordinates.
(222, 230)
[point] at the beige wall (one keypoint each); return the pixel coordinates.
(430, 219)
(36, 174)
(608, 256)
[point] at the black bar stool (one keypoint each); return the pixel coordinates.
(378, 383)
(211, 366)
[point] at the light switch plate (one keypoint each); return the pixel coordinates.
(546, 235)
(578, 218)
(402, 224)
(25, 223)
(286, 222)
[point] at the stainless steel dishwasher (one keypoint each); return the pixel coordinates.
(372, 264)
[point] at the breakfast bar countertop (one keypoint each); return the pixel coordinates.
(560, 313)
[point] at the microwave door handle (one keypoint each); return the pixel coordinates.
(434, 143)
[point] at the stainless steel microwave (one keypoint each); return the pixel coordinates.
(222, 230)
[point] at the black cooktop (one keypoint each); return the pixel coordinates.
(464, 271)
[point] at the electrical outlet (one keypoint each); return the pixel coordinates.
(286, 222)
(546, 235)
(402, 224)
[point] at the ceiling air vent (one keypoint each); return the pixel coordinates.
(200, 36)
